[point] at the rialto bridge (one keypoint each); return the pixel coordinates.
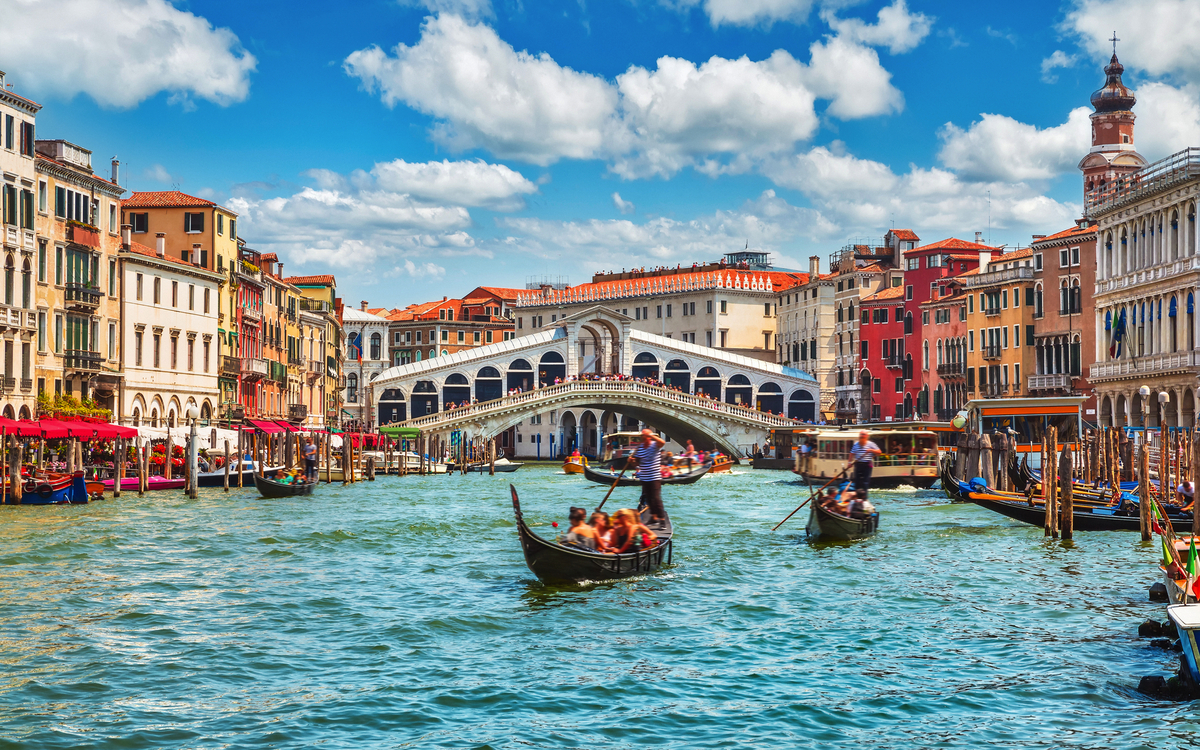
(712, 397)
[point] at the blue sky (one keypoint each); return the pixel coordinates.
(417, 149)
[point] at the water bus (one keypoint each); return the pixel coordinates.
(910, 457)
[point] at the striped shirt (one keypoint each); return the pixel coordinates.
(649, 462)
(863, 452)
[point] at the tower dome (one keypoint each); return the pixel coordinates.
(1114, 96)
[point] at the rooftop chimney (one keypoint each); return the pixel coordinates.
(1037, 237)
(279, 271)
(364, 305)
(116, 171)
(160, 244)
(814, 266)
(126, 234)
(979, 238)
(985, 257)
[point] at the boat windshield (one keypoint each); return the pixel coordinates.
(899, 448)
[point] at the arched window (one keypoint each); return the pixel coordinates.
(376, 346)
(940, 361)
(1076, 298)
(925, 355)
(26, 283)
(1064, 298)
(1037, 301)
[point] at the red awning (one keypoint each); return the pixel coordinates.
(288, 426)
(261, 425)
(113, 431)
(52, 429)
(28, 428)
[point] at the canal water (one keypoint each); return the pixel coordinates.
(400, 613)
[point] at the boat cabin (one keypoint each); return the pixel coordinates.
(910, 457)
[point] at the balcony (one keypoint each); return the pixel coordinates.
(316, 369)
(235, 412)
(15, 317)
(990, 311)
(253, 368)
(893, 361)
(81, 235)
(1056, 382)
(991, 352)
(991, 278)
(994, 390)
(81, 360)
(952, 370)
(315, 305)
(230, 365)
(252, 314)
(1159, 176)
(248, 271)
(82, 297)
(27, 384)
(297, 412)
(1141, 367)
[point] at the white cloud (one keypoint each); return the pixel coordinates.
(159, 173)
(1168, 119)
(120, 52)
(896, 28)
(998, 147)
(753, 12)
(487, 95)
(860, 196)
(396, 209)
(1157, 36)
(466, 8)
(423, 270)
(718, 116)
(621, 204)
(1057, 60)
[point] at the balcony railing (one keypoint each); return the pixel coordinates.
(230, 365)
(82, 296)
(952, 369)
(998, 277)
(251, 313)
(253, 368)
(995, 390)
(315, 305)
(297, 412)
(990, 311)
(88, 236)
(1176, 168)
(991, 352)
(81, 360)
(893, 361)
(1055, 382)
(27, 384)
(1154, 364)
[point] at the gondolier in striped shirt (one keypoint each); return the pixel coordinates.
(862, 456)
(649, 471)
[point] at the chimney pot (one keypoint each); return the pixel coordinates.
(364, 305)
(814, 266)
(126, 234)
(979, 238)
(160, 244)
(116, 171)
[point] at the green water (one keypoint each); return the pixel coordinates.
(400, 613)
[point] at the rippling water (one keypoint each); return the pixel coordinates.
(400, 613)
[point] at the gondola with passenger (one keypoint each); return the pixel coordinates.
(271, 488)
(828, 522)
(554, 562)
(682, 476)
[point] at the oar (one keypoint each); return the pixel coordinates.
(810, 497)
(614, 486)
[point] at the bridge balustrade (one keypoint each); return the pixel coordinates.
(600, 386)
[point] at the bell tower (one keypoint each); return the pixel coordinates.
(1112, 155)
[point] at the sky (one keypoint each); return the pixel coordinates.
(419, 148)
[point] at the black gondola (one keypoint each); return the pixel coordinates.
(501, 465)
(551, 561)
(271, 488)
(825, 525)
(629, 480)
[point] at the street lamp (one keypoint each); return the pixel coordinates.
(1144, 392)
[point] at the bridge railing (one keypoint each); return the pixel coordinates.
(600, 386)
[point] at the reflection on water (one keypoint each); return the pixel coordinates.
(400, 613)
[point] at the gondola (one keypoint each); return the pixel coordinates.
(825, 525)
(554, 562)
(271, 488)
(629, 480)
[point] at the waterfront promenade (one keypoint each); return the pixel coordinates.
(400, 613)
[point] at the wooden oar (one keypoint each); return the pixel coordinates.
(810, 497)
(614, 486)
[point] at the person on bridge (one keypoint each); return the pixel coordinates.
(862, 456)
(649, 471)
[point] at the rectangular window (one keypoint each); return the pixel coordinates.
(174, 294)
(191, 357)
(27, 138)
(233, 228)
(1004, 337)
(112, 218)
(1016, 335)
(864, 350)
(1064, 258)
(489, 337)
(637, 313)
(112, 340)
(9, 121)
(668, 311)
(206, 343)
(58, 265)
(767, 309)
(191, 297)
(970, 341)
(724, 307)
(157, 350)
(58, 334)
(174, 352)
(445, 336)
(220, 230)
(42, 261)
(1037, 262)
(140, 222)
(708, 338)
(1028, 335)
(41, 323)
(658, 312)
(913, 264)
(193, 223)
(42, 196)
(1004, 298)
(970, 303)
(908, 292)
(708, 307)
(206, 301)
(1074, 256)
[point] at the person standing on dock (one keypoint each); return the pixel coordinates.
(649, 471)
(862, 456)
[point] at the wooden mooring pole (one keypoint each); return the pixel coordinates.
(1144, 491)
(1066, 489)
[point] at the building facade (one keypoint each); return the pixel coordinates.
(944, 359)
(805, 338)
(317, 355)
(1000, 336)
(366, 355)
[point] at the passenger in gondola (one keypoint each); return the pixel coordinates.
(862, 458)
(604, 530)
(580, 534)
(629, 533)
(282, 477)
(1185, 494)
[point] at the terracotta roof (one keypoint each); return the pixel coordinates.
(318, 280)
(872, 268)
(683, 281)
(165, 199)
(952, 243)
(504, 293)
(956, 297)
(905, 234)
(1075, 231)
(892, 292)
(270, 257)
(963, 256)
(1025, 252)
(140, 249)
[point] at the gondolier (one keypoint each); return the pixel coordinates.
(649, 471)
(862, 456)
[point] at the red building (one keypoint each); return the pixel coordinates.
(944, 350)
(893, 328)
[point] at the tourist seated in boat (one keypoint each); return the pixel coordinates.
(283, 477)
(629, 533)
(859, 506)
(604, 530)
(580, 534)
(1185, 495)
(575, 453)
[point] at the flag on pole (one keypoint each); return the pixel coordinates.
(1167, 560)
(1155, 518)
(1118, 336)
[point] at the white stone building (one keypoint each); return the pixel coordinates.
(366, 343)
